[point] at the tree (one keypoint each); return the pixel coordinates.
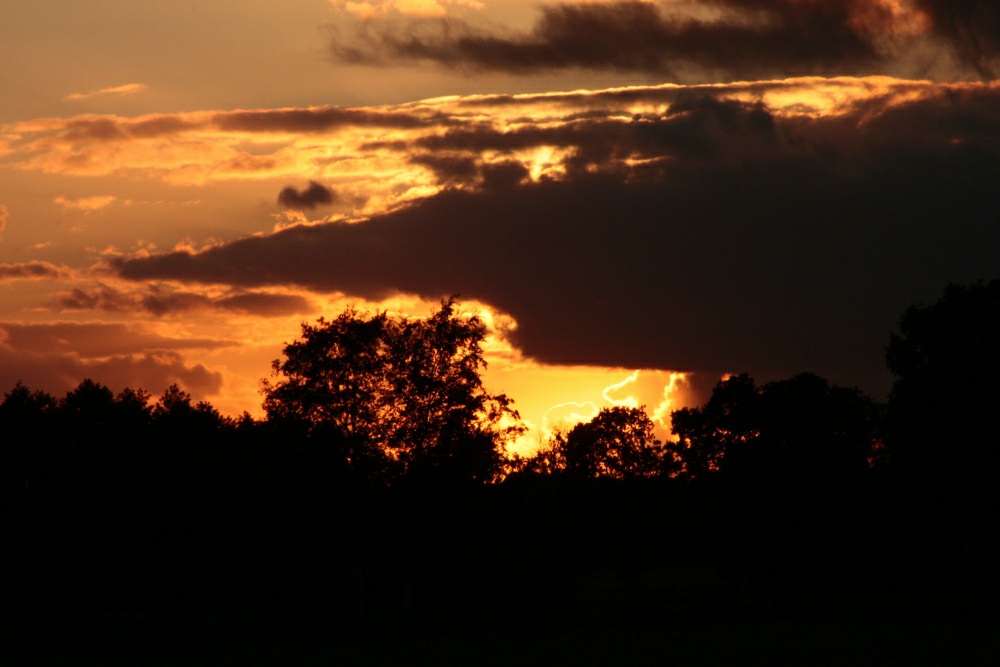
(802, 427)
(400, 395)
(617, 443)
(946, 358)
(707, 434)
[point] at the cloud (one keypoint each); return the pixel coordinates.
(58, 373)
(710, 40)
(714, 233)
(92, 340)
(972, 27)
(197, 147)
(4, 215)
(86, 204)
(127, 89)
(161, 302)
(308, 198)
(57, 356)
(33, 271)
(369, 9)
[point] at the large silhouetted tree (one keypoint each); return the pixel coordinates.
(943, 405)
(406, 392)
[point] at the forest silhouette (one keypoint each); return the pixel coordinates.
(378, 488)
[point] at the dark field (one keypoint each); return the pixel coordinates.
(701, 629)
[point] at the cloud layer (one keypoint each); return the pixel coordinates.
(33, 271)
(160, 301)
(56, 356)
(702, 40)
(699, 228)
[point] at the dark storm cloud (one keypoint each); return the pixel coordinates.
(160, 302)
(740, 39)
(750, 39)
(466, 170)
(972, 27)
(700, 127)
(718, 236)
(307, 198)
(447, 168)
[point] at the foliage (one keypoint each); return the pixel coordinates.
(724, 424)
(802, 426)
(617, 443)
(946, 357)
(405, 392)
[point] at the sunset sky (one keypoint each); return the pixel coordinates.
(638, 197)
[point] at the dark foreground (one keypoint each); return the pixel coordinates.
(596, 628)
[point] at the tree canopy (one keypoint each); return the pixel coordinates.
(946, 358)
(403, 395)
(802, 427)
(617, 443)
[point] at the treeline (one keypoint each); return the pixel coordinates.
(379, 486)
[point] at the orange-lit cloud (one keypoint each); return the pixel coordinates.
(160, 301)
(628, 400)
(93, 340)
(127, 89)
(86, 204)
(4, 214)
(565, 416)
(695, 41)
(671, 399)
(57, 356)
(679, 220)
(371, 9)
(34, 271)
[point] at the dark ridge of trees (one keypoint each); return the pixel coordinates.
(378, 488)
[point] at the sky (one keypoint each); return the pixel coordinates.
(638, 197)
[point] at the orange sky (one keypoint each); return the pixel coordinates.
(129, 130)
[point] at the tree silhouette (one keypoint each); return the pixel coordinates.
(727, 422)
(399, 395)
(617, 443)
(942, 409)
(801, 427)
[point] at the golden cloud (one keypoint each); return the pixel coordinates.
(127, 89)
(86, 204)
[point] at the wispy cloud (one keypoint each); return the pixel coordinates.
(86, 204)
(4, 214)
(370, 9)
(127, 89)
(34, 271)
(161, 301)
